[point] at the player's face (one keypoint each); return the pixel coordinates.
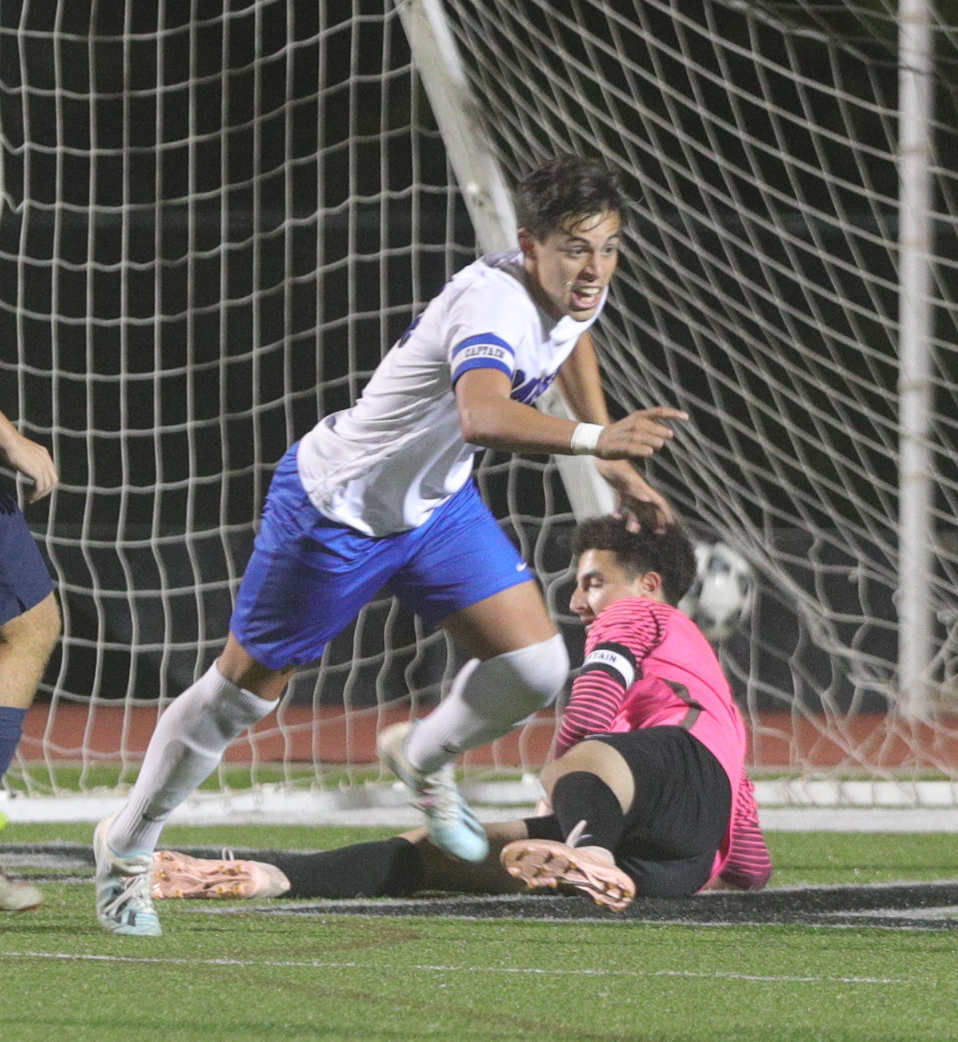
(601, 581)
(571, 267)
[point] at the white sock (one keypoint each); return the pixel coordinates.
(487, 700)
(188, 743)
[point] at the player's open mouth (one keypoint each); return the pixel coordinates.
(585, 297)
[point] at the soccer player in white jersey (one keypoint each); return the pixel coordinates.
(380, 495)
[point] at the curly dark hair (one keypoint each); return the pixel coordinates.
(565, 187)
(669, 552)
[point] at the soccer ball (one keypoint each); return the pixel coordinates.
(720, 599)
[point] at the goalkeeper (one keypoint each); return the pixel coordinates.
(380, 496)
(648, 794)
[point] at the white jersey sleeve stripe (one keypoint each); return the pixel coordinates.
(482, 351)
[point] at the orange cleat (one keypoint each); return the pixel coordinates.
(591, 870)
(179, 875)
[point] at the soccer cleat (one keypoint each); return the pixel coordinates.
(123, 902)
(16, 896)
(450, 822)
(591, 870)
(179, 875)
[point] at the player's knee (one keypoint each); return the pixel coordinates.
(537, 674)
(575, 761)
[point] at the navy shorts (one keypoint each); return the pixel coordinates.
(309, 577)
(683, 801)
(24, 577)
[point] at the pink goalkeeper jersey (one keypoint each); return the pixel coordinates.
(647, 665)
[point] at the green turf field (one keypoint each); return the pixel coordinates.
(295, 970)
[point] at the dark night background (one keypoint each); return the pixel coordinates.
(226, 257)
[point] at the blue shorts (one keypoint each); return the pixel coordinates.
(24, 578)
(308, 576)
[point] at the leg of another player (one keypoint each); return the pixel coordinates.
(591, 782)
(590, 788)
(398, 867)
(26, 642)
(395, 867)
(441, 872)
(519, 664)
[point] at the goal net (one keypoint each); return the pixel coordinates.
(216, 218)
(771, 153)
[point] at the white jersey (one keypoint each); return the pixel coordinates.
(387, 463)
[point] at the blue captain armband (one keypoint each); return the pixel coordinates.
(482, 351)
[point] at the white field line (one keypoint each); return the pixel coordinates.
(318, 964)
(784, 805)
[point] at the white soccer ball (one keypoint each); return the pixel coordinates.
(721, 596)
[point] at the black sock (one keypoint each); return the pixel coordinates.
(385, 868)
(582, 796)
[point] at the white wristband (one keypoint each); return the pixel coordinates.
(585, 438)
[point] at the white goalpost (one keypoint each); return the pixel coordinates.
(216, 219)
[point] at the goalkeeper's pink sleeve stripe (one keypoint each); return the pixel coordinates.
(596, 698)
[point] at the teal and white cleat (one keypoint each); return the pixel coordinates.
(450, 821)
(123, 901)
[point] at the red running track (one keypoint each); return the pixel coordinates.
(778, 740)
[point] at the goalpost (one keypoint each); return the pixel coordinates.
(216, 218)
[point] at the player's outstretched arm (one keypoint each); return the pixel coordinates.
(638, 435)
(489, 417)
(29, 458)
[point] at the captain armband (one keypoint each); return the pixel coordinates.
(613, 659)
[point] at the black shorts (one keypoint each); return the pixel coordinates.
(24, 578)
(678, 817)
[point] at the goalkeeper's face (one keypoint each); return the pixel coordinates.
(571, 267)
(600, 580)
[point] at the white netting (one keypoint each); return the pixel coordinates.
(759, 141)
(215, 222)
